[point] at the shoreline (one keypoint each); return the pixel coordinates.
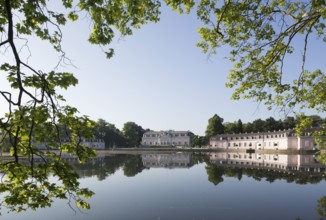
(193, 150)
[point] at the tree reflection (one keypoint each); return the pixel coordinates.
(216, 172)
(105, 166)
(321, 207)
(132, 166)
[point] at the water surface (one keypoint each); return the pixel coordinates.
(195, 186)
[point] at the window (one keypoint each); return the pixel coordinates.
(306, 143)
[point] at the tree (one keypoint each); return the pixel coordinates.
(35, 110)
(239, 126)
(272, 125)
(111, 135)
(258, 125)
(289, 123)
(198, 141)
(230, 128)
(233, 127)
(263, 36)
(132, 133)
(214, 126)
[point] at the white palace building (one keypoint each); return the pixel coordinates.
(276, 140)
(167, 138)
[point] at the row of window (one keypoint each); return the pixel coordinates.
(165, 143)
(270, 144)
(253, 137)
(165, 134)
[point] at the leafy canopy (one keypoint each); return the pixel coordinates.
(264, 37)
(36, 115)
(215, 126)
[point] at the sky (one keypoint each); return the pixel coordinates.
(158, 78)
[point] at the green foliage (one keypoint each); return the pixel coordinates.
(132, 166)
(214, 126)
(262, 36)
(132, 133)
(321, 207)
(36, 116)
(111, 135)
(216, 172)
(199, 141)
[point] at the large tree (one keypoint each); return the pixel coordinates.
(132, 133)
(262, 36)
(265, 37)
(35, 111)
(111, 135)
(215, 126)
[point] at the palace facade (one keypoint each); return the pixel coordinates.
(282, 140)
(167, 138)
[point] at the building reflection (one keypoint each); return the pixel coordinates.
(276, 162)
(168, 160)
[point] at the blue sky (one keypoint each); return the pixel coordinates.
(158, 78)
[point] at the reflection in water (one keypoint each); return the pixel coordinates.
(283, 162)
(104, 166)
(172, 160)
(301, 169)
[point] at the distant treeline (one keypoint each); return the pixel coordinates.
(130, 135)
(216, 125)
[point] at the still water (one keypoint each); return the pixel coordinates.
(196, 186)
